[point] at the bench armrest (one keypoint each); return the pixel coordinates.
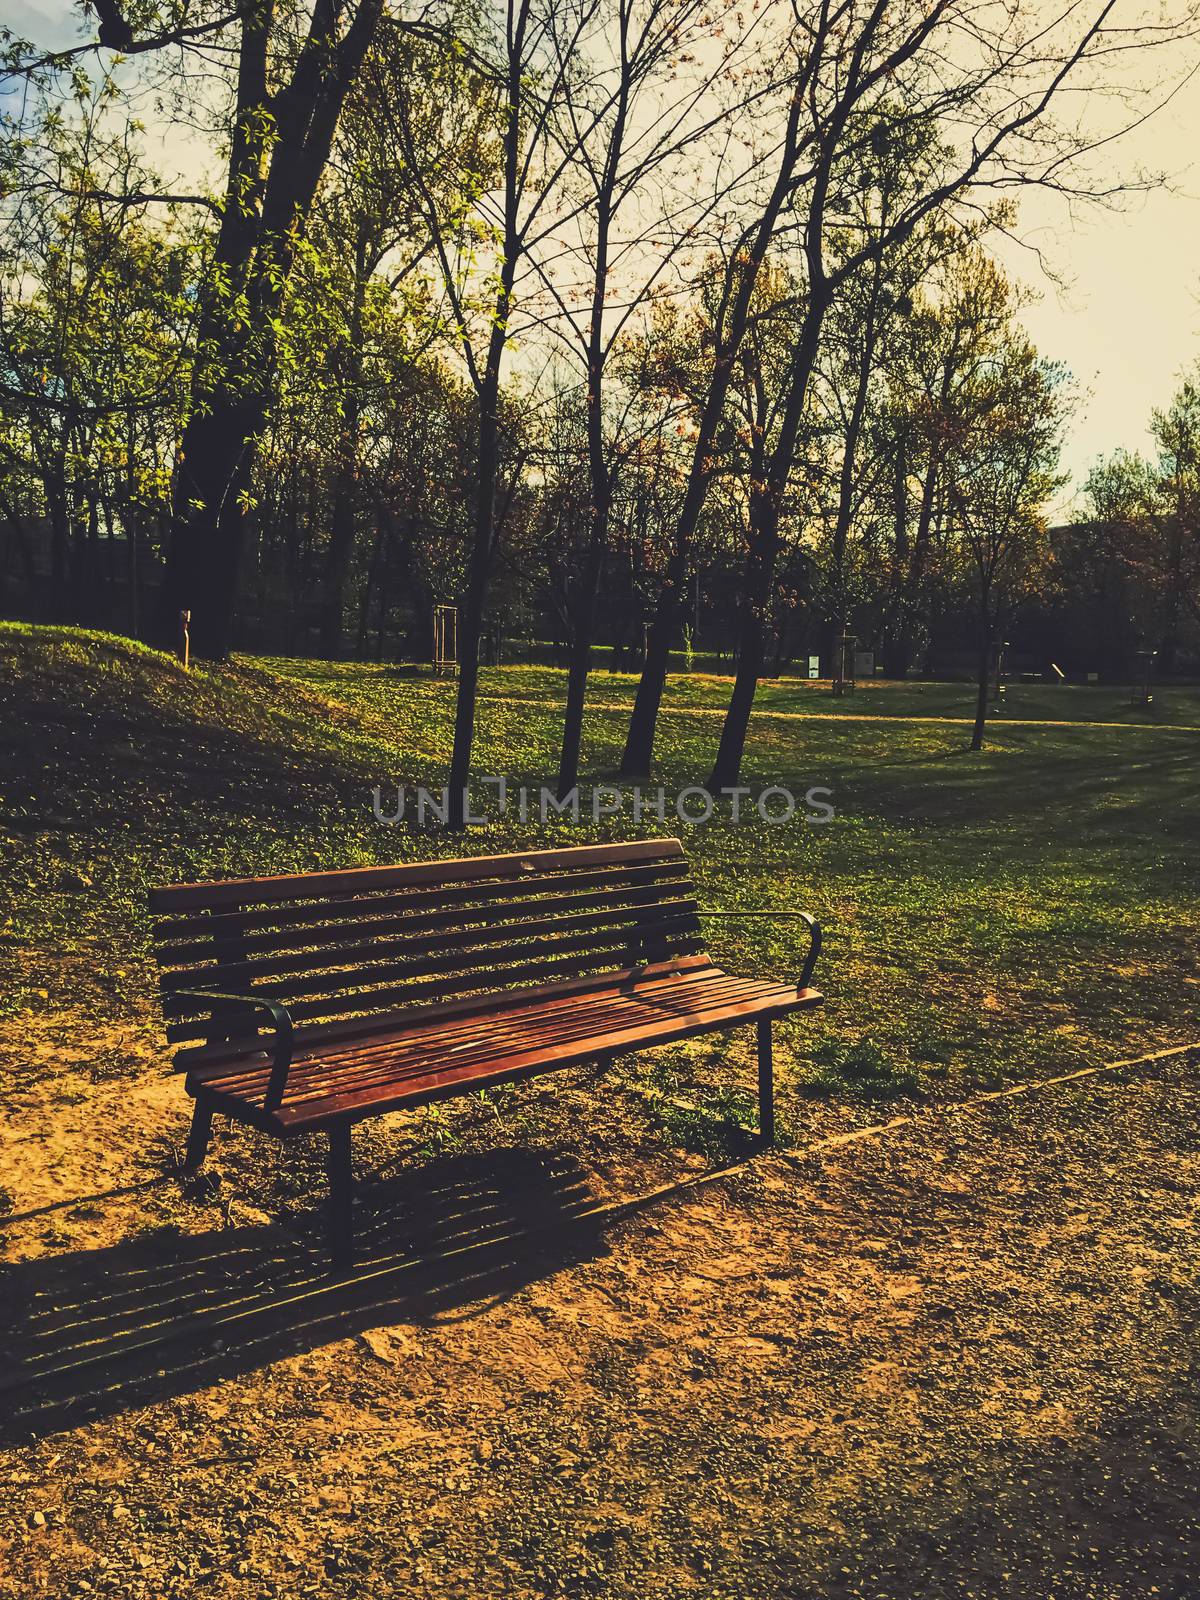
(281, 1054)
(814, 934)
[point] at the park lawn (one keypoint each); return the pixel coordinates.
(987, 917)
(956, 1348)
(1172, 706)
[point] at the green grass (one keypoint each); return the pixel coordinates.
(987, 917)
(1041, 702)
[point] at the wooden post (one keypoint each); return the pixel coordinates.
(445, 640)
(185, 639)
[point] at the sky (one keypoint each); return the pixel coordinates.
(1117, 299)
(1127, 319)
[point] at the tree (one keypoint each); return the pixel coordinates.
(1150, 512)
(294, 70)
(534, 56)
(958, 320)
(373, 242)
(96, 311)
(854, 65)
(890, 173)
(1001, 467)
(647, 122)
(283, 126)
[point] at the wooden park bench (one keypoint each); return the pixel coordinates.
(307, 1003)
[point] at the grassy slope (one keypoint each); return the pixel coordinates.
(125, 771)
(986, 916)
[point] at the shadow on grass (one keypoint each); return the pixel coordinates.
(94, 1333)
(1056, 796)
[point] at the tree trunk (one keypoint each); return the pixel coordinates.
(344, 527)
(59, 608)
(905, 647)
(368, 593)
(599, 476)
(586, 591)
(487, 459)
(889, 626)
(1168, 642)
(418, 639)
(470, 620)
(762, 557)
(756, 599)
(204, 560)
(639, 741)
(836, 625)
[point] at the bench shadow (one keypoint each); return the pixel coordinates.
(91, 1334)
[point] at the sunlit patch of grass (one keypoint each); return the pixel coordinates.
(709, 692)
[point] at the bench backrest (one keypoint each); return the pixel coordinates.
(333, 945)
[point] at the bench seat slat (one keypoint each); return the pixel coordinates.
(377, 1000)
(415, 1066)
(194, 1058)
(454, 1029)
(321, 1077)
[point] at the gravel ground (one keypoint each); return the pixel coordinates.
(957, 1359)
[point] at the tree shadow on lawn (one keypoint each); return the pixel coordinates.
(94, 1333)
(1067, 795)
(91, 772)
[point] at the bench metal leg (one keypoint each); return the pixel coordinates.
(341, 1197)
(197, 1144)
(766, 1085)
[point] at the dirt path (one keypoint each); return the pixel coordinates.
(955, 1360)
